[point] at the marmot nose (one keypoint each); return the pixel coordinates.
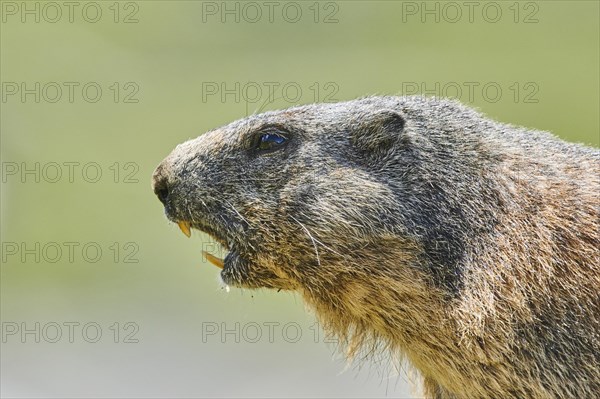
(160, 184)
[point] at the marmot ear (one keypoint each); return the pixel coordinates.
(378, 131)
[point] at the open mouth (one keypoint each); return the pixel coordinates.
(236, 268)
(186, 228)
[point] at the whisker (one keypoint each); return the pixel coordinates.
(318, 241)
(236, 211)
(312, 239)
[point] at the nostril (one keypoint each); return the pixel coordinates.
(162, 193)
(160, 184)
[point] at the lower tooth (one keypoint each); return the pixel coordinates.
(213, 259)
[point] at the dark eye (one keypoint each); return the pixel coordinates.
(270, 141)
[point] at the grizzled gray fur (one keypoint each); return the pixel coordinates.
(466, 246)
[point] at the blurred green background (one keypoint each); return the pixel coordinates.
(168, 71)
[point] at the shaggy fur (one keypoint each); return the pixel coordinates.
(468, 246)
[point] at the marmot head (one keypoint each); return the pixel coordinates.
(292, 193)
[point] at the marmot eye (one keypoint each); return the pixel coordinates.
(270, 142)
